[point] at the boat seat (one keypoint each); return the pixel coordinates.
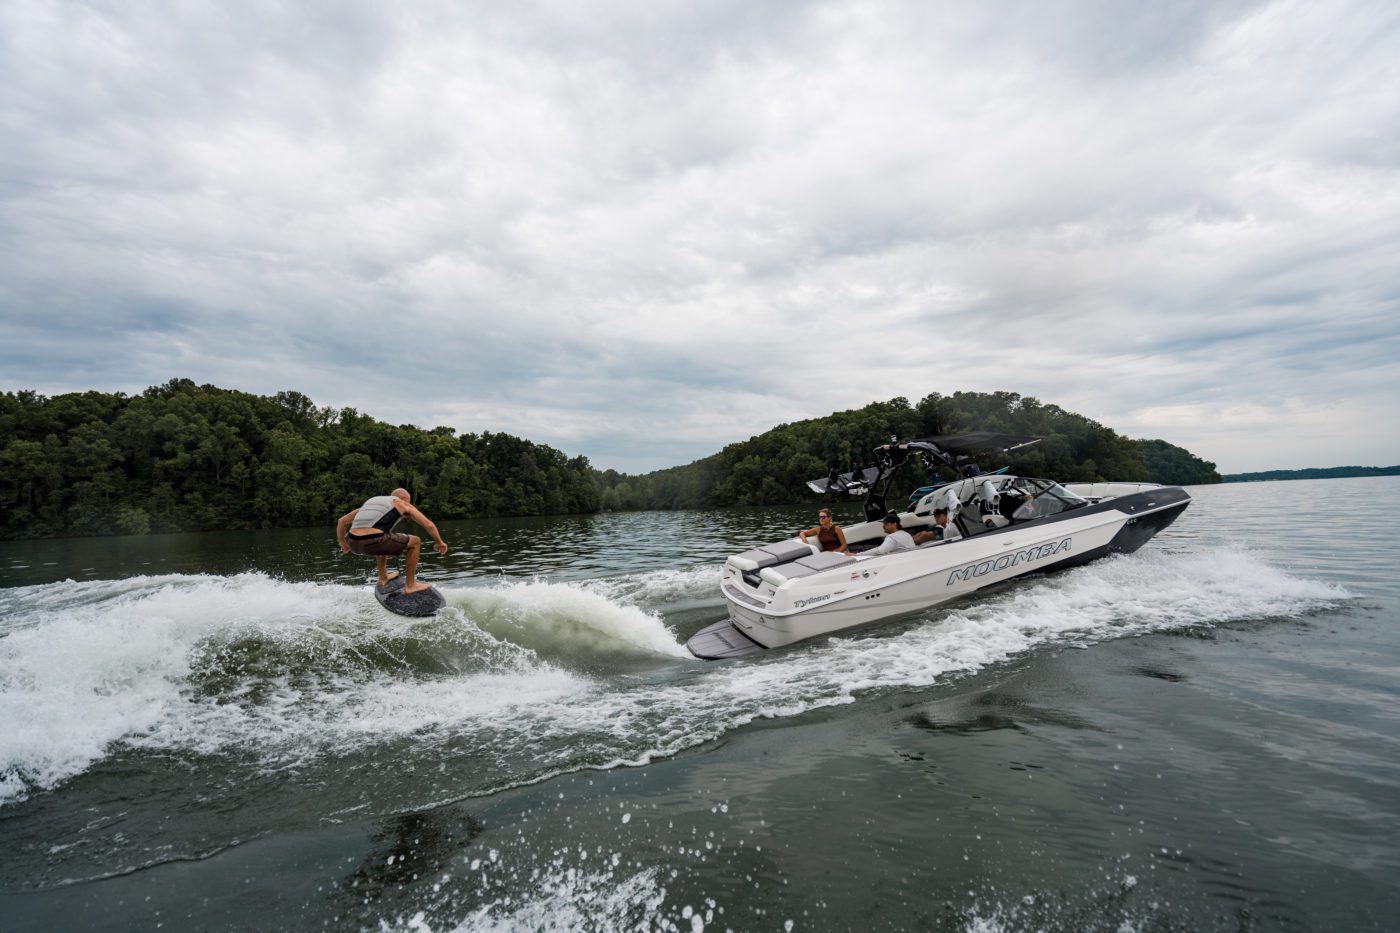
(804, 567)
(770, 555)
(988, 502)
(994, 520)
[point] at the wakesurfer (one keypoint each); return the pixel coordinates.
(369, 532)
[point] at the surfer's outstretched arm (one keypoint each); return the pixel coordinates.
(407, 509)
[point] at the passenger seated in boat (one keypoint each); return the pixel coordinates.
(896, 539)
(943, 529)
(829, 534)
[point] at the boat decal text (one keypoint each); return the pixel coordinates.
(815, 599)
(1009, 560)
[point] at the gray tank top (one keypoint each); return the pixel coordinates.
(375, 514)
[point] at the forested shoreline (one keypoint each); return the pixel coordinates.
(773, 468)
(187, 457)
(1341, 472)
(181, 457)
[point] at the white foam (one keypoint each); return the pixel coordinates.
(996, 913)
(129, 666)
(120, 663)
(565, 617)
(91, 670)
(576, 900)
(661, 587)
(566, 898)
(343, 713)
(1128, 596)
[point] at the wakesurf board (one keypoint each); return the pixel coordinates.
(422, 603)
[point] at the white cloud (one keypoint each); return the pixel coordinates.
(640, 233)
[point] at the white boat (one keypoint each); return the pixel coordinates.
(1010, 526)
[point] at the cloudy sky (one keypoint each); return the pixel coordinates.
(640, 231)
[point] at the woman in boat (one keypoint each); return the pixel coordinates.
(829, 534)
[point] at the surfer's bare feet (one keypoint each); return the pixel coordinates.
(416, 587)
(389, 579)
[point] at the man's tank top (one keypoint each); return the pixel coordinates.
(379, 513)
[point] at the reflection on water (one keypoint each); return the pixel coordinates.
(411, 847)
(989, 711)
(1160, 674)
(570, 547)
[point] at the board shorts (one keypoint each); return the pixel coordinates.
(381, 545)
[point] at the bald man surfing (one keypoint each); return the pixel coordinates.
(369, 532)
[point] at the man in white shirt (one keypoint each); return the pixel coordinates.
(896, 539)
(947, 530)
(942, 530)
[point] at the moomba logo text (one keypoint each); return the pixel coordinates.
(1009, 560)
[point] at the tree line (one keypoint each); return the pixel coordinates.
(774, 467)
(182, 457)
(187, 457)
(1340, 472)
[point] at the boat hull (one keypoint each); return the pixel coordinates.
(872, 589)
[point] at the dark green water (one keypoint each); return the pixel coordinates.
(226, 732)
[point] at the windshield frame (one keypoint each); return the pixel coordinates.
(1041, 490)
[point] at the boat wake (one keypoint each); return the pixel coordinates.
(561, 620)
(205, 663)
(280, 674)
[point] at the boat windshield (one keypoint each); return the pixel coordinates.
(1042, 497)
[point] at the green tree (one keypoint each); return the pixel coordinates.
(1175, 466)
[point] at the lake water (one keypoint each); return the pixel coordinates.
(227, 732)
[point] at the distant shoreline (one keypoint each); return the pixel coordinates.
(1342, 472)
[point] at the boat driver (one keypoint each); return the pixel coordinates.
(896, 539)
(369, 531)
(943, 529)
